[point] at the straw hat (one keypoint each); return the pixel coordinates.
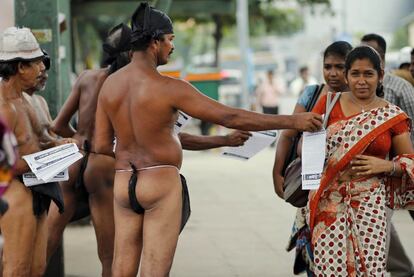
(18, 44)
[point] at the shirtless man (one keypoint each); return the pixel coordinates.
(150, 204)
(96, 172)
(39, 103)
(24, 225)
(91, 179)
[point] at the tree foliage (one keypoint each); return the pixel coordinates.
(265, 17)
(400, 38)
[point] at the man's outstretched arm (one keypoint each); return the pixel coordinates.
(193, 142)
(189, 100)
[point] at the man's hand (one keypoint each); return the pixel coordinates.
(66, 140)
(310, 122)
(237, 138)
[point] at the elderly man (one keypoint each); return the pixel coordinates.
(39, 102)
(24, 225)
(151, 199)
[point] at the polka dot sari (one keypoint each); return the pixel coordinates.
(347, 218)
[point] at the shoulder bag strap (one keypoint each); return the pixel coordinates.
(315, 97)
(330, 103)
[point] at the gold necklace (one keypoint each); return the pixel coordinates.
(363, 106)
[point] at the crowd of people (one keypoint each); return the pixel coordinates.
(345, 229)
(129, 180)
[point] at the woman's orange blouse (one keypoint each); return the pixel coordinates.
(381, 146)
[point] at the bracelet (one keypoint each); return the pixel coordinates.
(393, 169)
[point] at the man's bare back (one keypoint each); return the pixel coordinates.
(154, 99)
(136, 108)
(82, 99)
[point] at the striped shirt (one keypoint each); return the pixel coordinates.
(401, 93)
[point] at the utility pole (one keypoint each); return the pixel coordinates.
(344, 17)
(243, 34)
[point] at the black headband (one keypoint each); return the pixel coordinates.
(148, 22)
(117, 42)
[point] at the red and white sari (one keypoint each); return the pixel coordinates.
(347, 218)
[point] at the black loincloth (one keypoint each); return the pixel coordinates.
(43, 194)
(136, 207)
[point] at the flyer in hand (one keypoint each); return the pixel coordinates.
(256, 143)
(51, 164)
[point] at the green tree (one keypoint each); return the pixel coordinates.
(400, 38)
(265, 17)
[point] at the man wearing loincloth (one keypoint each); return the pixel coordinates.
(140, 107)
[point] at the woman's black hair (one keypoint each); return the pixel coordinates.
(366, 52)
(9, 69)
(338, 48)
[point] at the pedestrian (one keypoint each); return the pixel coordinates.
(347, 213)
(304, 79)
(268, 94)
(400, 93)
(334, 75)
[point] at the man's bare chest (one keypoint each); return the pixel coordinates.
(27, 124)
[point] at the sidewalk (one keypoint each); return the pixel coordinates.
(238, 226)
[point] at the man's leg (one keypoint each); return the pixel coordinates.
(56, 221)
(18, 226)
(99, 178)
(162, 224)
(128, 230)
(39, 251)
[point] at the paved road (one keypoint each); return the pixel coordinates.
(237, 228)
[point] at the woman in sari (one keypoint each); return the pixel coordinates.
(369, 164)
(334, 75)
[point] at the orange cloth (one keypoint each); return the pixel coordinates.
(381, 146)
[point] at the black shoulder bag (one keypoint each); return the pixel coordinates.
(293, 148)
(292, 186)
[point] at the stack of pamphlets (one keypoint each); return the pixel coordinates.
(51, 165)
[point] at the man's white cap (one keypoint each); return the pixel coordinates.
(18, 44)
